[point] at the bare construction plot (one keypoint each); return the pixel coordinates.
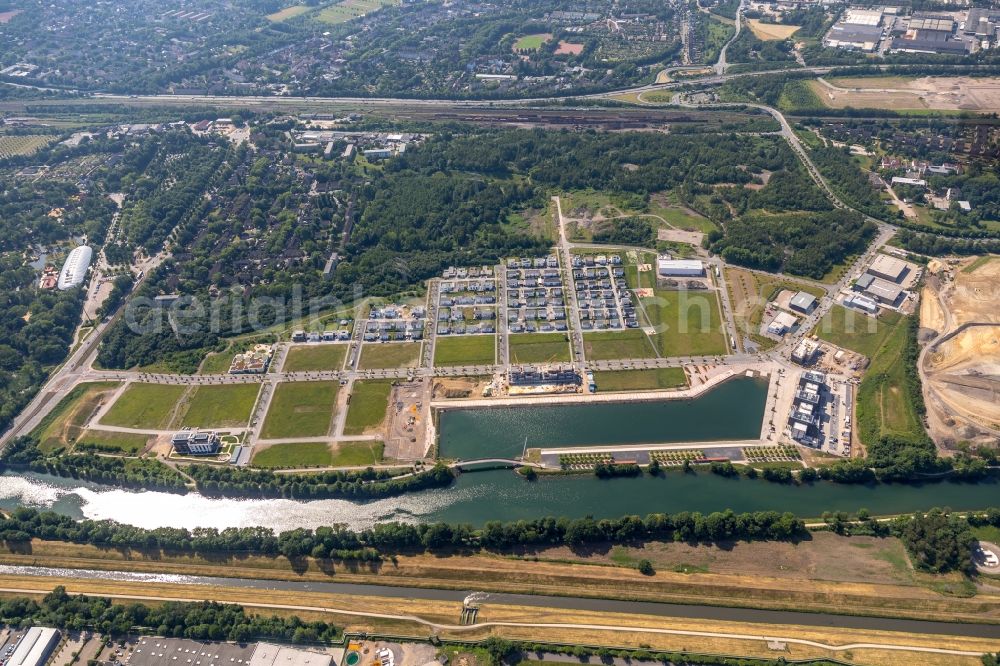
(958, 93)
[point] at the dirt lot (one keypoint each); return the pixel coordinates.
(962, 373)
(896, 93)
(770, 31)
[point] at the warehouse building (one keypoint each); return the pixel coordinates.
(75, 269)
(783, 323)
(882, 290)
(803, 302)
(268, 654)
(35, 647)
(854, 37)
(889, 268)
(666, 267)
(863, 303)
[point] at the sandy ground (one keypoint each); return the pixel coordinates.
(770, 31)
(928, 92)
(962, 373)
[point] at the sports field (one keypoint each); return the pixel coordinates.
(532, 42)
(465, 350)
(315, 357)
(389, 355)
(287, 13)
(369, 402)
(539, 348)
(300, 409)
(351, 9)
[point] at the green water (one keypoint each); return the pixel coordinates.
(732, 411)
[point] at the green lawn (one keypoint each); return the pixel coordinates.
(465, 350)
(531, 42)
(369, 401)
(884, 405)
(216, 363)
(389, 355)
(112, 442)
(640, 380)
(65, 422)
(287, 13)
(355, 454)
(688, 323)
(302, 454)
(610, 345)
(987, 533)
(222, 406)
(300, 409)
(315, 357)
(856, 331)
(539, 348)
(145, 406)
(682, 218)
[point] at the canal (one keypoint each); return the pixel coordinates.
(733, 410)
(477, 497)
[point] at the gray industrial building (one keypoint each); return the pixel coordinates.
(35, 647)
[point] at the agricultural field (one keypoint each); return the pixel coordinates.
(857, 332)
(688, 323)
(465, 350)
(65, 423)
(145, 407)
(315, 357)
(368, 406)
(771, 31)
(641, 380)
(221, 406)
(539, 348)
(347, 10)
(287, 13)
(611, 345)
(300, 409)
(390, 355)
(27, 144)
(299, 454)
(532, 42)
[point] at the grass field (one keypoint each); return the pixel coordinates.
(641, 380)
(287, 13)
(221, 406)
(216, 363)
(356, 454)
(610, 345)
(855, 331)
(301, 454)
(347, 10)
(532, 42)
(465, 350)
(770, 31)
(884, 405)
(64, 424)
(389, 355)
(113, 442)
(317, 357)
(749, 293)
(145, 407)
(369, 401)
(689, 323)
(300, 409)
(28, 144)
(539, 348)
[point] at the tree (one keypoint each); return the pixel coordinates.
(646, 568)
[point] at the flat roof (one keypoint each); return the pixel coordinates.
(849, 32)
(268, 654)
(885, 265)
(803, 300)
(34, 647)
(153, 651)
(786, 319)
(693, 264)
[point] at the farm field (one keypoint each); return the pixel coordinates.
(316, 357)
(299, 454)
(347, 10)
(369, 402)
(287, 13)
(611, 345)
(66, 422)
(539, 348)
(689, 323)
(389, 355)
(300, 409)
(771, 31)
(641, 380)
(145, 407)
(221, 406)
(855, 331)
(465, 350)
(23, 145)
